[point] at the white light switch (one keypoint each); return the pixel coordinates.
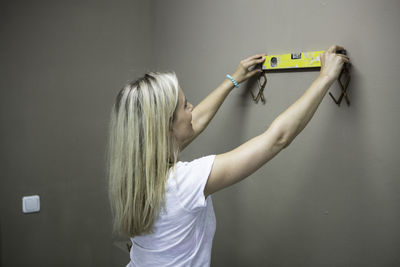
(31, 204)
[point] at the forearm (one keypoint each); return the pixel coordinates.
(292, 121)
(206, 109)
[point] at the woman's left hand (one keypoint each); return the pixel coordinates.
(242, 73)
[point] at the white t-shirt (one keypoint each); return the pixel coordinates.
(184, 231)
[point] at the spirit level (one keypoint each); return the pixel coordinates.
(300, 61)
(292, 61)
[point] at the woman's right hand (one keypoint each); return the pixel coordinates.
(332, 63)
(243, 73)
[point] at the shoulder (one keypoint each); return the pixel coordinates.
(203, 161)
(189, 178)
(198, 167)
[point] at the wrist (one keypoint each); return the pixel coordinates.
(326, 79)
(236, 78)
(233, 80)
(228, 85)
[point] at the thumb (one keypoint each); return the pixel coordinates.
(254, 72)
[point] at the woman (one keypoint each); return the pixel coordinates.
(165, 205)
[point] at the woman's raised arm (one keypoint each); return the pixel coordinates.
(231, 167)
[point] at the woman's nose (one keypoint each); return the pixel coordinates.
(190, 106)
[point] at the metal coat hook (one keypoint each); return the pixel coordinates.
(345, 73)
(261, 86)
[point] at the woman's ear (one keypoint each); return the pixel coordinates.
(171, 126)
(170, 132)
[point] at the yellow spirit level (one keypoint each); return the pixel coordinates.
(300, 61)
(293, 61)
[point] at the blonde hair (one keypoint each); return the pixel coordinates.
(141, 150)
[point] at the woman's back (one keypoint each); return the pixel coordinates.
(184, 231)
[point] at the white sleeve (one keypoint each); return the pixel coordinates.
(191, 180)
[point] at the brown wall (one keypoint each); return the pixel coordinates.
(330, 199)
(62, 64)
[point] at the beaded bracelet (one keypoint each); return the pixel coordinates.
(233, 80)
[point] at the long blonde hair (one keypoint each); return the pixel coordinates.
(141, 150)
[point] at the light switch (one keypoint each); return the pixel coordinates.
(31, 204)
